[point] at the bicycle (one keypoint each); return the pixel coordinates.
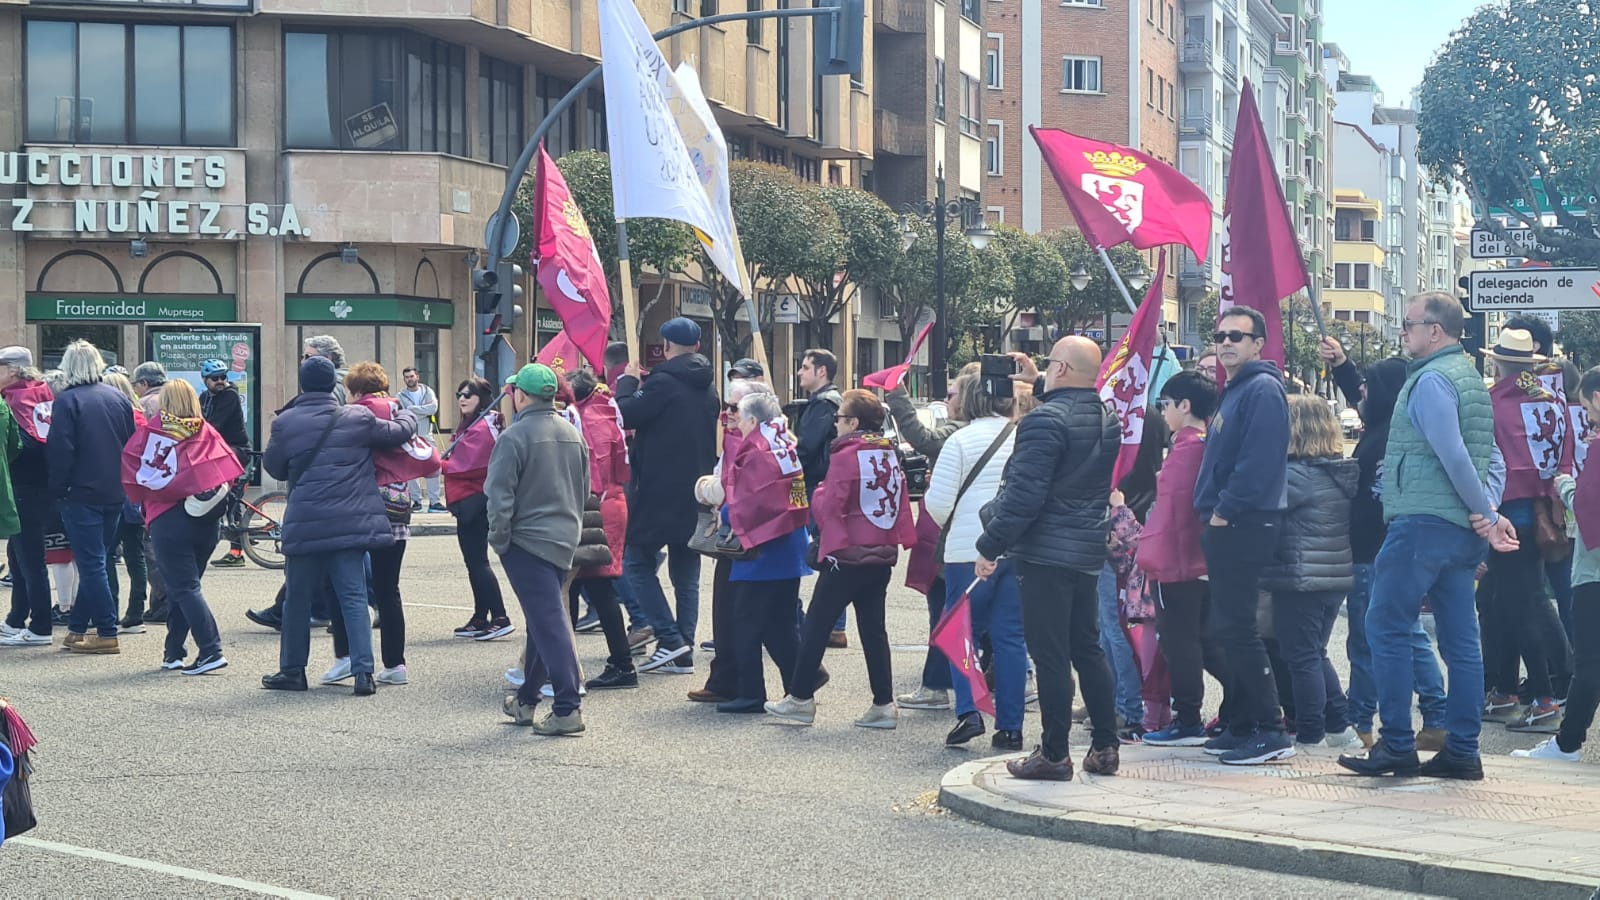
(256, 524)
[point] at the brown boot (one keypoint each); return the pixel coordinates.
(94, 643)
(1430, 739)
(1104, 761)
(704, 696)
(1037, 768)
(72, 638)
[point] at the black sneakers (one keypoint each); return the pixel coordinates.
(285, 680)
(613, 678)
(206, 664)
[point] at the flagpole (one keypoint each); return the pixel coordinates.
(630, 298)
(1166, 349)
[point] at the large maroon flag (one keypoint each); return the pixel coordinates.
(176, 463)
(1261, 258)
(560, 354)
(30, 403)
(770, 489)
(953, 637)
(1118, 194)
(568, 266)
(1124, 382)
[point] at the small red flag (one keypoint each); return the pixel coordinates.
(560, 354)
(890, 378)
(953, 637)
(1118, 194)
(568, 266)
(1124, 382)
(1255, 219)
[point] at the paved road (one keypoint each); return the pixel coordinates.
(425, 790)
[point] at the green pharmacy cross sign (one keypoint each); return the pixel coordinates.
(368, 309)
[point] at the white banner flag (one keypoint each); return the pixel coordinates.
(652, 174)
(708, 150)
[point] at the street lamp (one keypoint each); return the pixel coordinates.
(1137, 281)
(939, 213)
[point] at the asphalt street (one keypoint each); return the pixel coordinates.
(154, 784)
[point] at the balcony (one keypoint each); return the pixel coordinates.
(1230, 70)
(1227, 135)
(1193, 273)
(894, 135)
(901, 16)
(1194, 56)
(1195, 125)
(1230, 8)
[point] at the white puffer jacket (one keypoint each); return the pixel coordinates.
(960, 453)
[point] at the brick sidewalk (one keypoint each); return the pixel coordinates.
(1528, 826)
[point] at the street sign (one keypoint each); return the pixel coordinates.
(786, 310)
(1486, 245)
(508, 241)
(1496, 290)
(1576, 205)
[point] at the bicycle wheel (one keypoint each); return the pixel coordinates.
(263, 529)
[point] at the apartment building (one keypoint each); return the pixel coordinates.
(1361, 277)
(226, 177)
(1106, 69)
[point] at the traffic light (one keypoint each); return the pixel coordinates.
(836, 39)
(508, 309)
(485, 290)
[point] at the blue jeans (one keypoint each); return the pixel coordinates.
(1427, 555)
(639, 565)
(91, 531)
(1124, 670)
(629, 602)
(1363, 693)
(997, 608)
(306, 574)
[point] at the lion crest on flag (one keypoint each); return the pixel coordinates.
(1110, 184)
(158, 463)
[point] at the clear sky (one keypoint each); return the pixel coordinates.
(1393, 40)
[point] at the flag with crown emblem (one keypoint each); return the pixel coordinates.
(1118, 194)
(568, 266)
(1124, 382)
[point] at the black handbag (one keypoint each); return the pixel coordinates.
(716, 540)
(17, 799)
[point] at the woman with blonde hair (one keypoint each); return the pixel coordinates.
(178, 468)
(1312, 572)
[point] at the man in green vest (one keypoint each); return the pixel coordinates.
(1441, 450)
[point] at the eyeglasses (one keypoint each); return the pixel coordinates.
(465, 395)
(1236, 337)
(1407, 323)
(1049, 361)
(216, 377)
(308, 356)
(1165, 403)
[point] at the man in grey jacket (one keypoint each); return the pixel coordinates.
(424, 404)
(537, 482)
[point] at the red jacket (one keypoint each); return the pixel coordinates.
(862, 510)
(1169, 547)
(608, 473)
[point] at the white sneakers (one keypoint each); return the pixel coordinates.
(548, 690)
(886, 717)
(667, 661)
(1547, 749)
(925, 698)
(1342, 740)
(515, 677)
(24, 638)
(339, 672)
(396, 675)
(791, 710)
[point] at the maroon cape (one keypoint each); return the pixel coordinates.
(161, 468)
(767, 490)
(416, 458)
(864, 501)
(30, 403)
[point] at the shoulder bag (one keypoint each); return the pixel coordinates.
(972, 475)
(322, 441)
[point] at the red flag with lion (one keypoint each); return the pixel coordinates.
(1124, 381)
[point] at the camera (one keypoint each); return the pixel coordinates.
(996, 371)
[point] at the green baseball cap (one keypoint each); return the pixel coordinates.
(535, 380)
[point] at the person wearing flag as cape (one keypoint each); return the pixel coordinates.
(1049, 519)
(28, 621)
(178, 467)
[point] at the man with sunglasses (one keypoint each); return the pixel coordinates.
(1240, 496)
(223, 409)
(1440, 454)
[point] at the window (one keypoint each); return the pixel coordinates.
(938, 89)
(563, 136)
(969, 105)
(1362, 279)
(708, 8)
(1194, 100)
(807, 169)
(752, 27)
(1080, 74)
(1286, 33)
(1172, 100)
(681, 6)
(1369, 230)
(994, 58)
(971, 11)
(783, 72)
(596, 138)
(738, 146)
(1161, 93)
(994, 147)
(1341, 276)
(773, 155)
(353, 90)
(1099, 4)
(104, 83)
(995, 214)
(1149, 87)
(1150, 11)
(500, 133)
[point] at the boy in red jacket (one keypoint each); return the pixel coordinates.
(1169, 555)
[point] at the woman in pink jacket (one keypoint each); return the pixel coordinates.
(1169, 555)
(863, 518)
(595, 414)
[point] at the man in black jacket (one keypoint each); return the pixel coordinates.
(1240, 495)
(1050, 517)
(817, 428)
(673, 417)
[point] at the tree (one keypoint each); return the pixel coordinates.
(867, 247)
(911, 289)
(1039, 275)
(784, 229)
(1077, 309)
(660, 245)
(1580, 336)
(1300, 338)
(1206, 313)
(1510, 105)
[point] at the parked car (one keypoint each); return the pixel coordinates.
(1350, 422)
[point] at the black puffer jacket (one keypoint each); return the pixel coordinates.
(1051, 509)
(673, 416)
(1314, 546)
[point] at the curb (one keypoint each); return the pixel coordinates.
(1394, 870)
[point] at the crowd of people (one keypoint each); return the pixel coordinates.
(1229, 547)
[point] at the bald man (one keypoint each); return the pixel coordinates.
(1050, 519)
